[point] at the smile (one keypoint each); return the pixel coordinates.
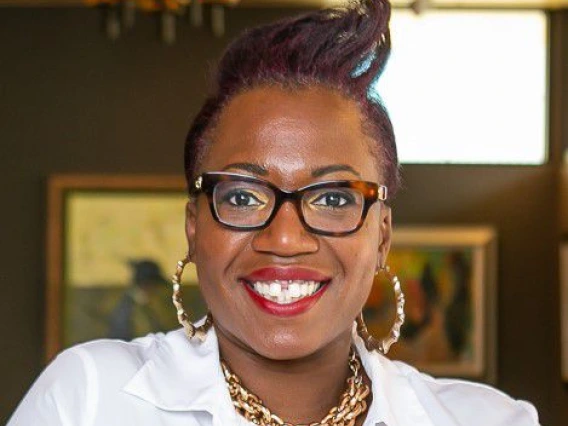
(285, 292)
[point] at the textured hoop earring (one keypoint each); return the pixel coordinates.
(183, 318)
(384, 345)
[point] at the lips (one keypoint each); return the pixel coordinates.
(285, 291)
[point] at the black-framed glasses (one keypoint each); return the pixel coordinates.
(246, 203)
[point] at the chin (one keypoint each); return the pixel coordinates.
(284, 350)
(287, 343)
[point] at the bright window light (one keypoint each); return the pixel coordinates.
(468, 86)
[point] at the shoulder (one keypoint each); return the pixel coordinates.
(467, 402)
(116, 354)
(110, 358)
(70, 386)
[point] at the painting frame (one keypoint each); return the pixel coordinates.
(59, 187)
(563, 254)
(482, 241)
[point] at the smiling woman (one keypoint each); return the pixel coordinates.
(268, 121)
(288, 165)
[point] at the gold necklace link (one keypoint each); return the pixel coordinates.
(353, 401)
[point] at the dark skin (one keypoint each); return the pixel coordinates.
(297, 365)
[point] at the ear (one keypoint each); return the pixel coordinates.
(190, 226)
(385, 228)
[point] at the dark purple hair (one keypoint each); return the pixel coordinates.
(344, 50)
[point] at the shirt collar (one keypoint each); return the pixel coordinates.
(395, 402)
(183, 375)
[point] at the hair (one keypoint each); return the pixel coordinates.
(342, 49)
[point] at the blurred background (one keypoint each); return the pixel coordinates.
(477, 90)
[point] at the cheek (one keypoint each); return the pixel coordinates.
(215, 250)
(358, 255)
(367, 246)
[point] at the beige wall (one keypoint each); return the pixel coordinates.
(70, 101)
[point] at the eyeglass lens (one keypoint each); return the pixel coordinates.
(248, 204)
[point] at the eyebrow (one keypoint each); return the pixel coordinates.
(248, 167)
(319, 172)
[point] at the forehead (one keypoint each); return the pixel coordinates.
(292, 133)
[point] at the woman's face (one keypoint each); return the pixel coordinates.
(291, 139)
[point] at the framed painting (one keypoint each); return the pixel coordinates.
(448, 275)
(564, 308)
(112, 243)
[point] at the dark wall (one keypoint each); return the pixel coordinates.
(70, 101)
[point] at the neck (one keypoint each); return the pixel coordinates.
(299, 390)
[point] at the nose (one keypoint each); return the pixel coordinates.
(285, 236)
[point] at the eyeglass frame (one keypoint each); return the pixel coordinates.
(206, 182)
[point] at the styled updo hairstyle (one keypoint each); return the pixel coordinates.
(343, 49)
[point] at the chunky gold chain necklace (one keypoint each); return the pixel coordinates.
(352, 404)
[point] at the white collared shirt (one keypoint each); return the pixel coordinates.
(166, 380)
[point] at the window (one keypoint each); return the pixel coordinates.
(468, 86)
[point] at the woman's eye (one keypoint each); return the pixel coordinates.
(242, 199)
(333, 199)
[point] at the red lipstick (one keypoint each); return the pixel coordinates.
(289, 309)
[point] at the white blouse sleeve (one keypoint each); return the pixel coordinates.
(58, 397)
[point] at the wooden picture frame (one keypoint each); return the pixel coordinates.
(449, 277)
(564, 309)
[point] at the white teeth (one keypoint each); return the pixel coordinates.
(285, 292)
(294, 290)
(275, 289)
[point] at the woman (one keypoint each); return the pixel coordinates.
(290, 165)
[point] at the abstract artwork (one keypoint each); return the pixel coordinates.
(448, 276)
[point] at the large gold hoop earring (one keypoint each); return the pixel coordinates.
(191, 331)
(384, 345)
